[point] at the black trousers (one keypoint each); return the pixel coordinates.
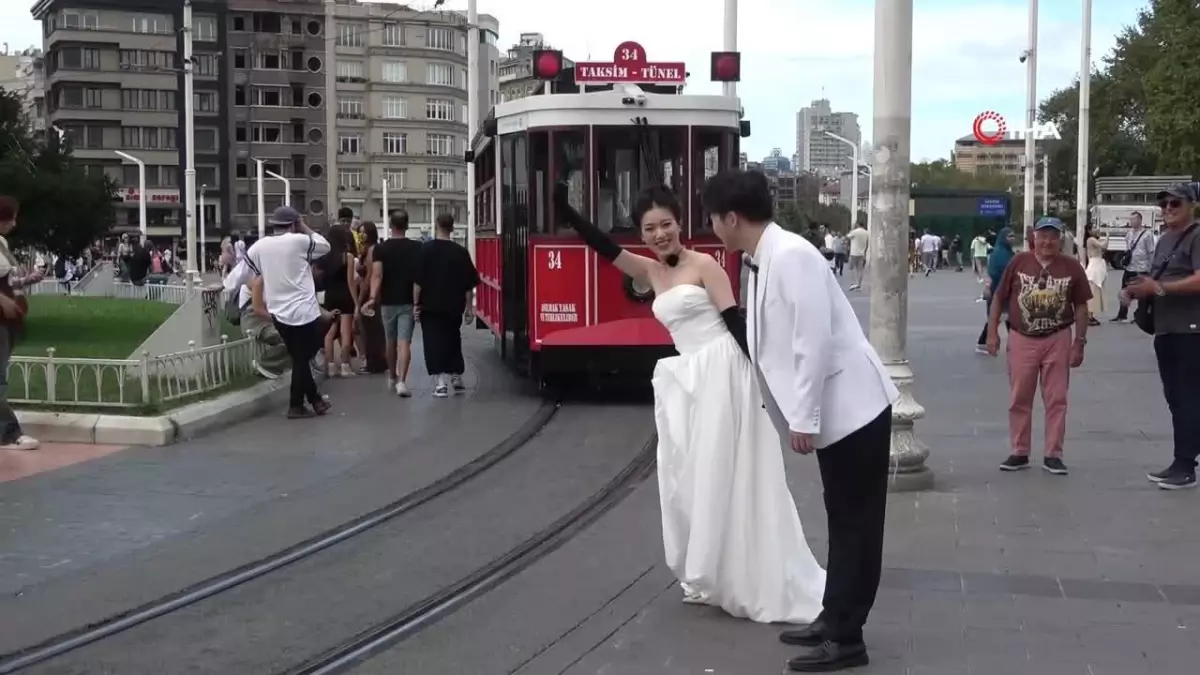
(855, 475)
(1179, 367)
(302, 342)
(1126, 277)
(441, 338)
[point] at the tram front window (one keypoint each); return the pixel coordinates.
(713, 150)
(556, 155)
(629, 159)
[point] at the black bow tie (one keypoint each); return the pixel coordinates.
(750, 263)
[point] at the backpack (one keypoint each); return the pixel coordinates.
(60, 267)
(233, 310)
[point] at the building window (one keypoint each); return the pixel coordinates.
(204, 65)
(464, 111)
(204, 29)
(439, 109)
(350, 69)
(272, 97)
(462, 78)
(206, 140)
(79, 58)
(350, 179)
(148, 99)
(439, 73)
(440, 180)
(395, 143)
(394, 108)
(148, 138)
(441, 145)
(80, 20)
(349, 35)
(396, 179)
(393, 35)
(147, 23)
(267, 132)
(204, 101)
(350, 144)
(144, 59)
(271, 60)
(395, 71)
(350, 107)
(440, 38)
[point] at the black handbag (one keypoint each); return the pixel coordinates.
(1127, 257)
(1143, 316)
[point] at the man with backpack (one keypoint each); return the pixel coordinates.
(240, 311)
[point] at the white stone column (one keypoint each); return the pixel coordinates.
(888, 250)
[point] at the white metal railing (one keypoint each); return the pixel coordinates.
(129, 383)
(171, 294)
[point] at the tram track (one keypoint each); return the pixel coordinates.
(70, 641)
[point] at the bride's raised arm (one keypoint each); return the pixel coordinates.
(630, 264)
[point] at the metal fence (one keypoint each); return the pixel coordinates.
(130, 383)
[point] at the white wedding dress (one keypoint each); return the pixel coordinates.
(730, 528)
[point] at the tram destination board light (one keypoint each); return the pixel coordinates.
(726, 67)
(630, 66)
(547, 64)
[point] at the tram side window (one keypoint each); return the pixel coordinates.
(521, 180)
(630, 159)
(712, 152)
(485, 182)
(566, 163)
(539, 161)
(507, 185)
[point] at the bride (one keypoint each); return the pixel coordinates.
(730, 528)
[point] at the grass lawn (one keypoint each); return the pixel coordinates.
(89, 327)
(94, 328)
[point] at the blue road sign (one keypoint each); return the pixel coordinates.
(993, 206)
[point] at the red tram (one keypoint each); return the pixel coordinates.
(556, 309)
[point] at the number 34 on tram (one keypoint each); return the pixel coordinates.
(557, 311)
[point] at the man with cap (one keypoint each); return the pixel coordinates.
(289, 295)
(1173, 288)
(1045, 294)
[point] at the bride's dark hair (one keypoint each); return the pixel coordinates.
(655, 196)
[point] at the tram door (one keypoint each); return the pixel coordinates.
(514, 185)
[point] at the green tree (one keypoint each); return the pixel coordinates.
(63, 207)
(941, 173)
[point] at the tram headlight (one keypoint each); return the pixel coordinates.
(638, 290)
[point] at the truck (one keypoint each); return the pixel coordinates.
(1112, 220)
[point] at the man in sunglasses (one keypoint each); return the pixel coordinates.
(1045, 294)
(1173, 286)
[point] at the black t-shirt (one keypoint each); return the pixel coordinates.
(446, 274)
(139, 264)
(400, 258)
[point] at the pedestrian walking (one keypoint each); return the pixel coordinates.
(444, 294)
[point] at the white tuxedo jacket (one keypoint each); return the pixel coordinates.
(821, 375)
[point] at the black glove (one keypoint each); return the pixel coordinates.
(591, 235)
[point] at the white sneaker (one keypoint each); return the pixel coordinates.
(441, 388)
(401, 390)
(23, 442)
(347, 371)
(331, 370)
(456, 382)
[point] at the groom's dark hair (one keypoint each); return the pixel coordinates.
(746, 193)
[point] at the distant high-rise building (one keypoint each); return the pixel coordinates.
(776, 162)
(816, 151)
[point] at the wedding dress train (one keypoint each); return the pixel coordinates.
(731, 532)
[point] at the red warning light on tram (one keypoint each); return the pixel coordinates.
(547, 64)
(726, 67)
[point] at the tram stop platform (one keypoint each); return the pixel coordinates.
(990, 573)
(72, 514)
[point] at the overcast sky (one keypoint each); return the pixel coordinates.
(794, 51)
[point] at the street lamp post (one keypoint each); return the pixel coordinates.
(387, 222)
(1085, 104)
(857, 157)
(729, 40)
(888, 249)
(1045, 184)
(189, 125)
(472, 115)
(141, 190)
(1030, 119)
(203, 237)
(259, 180)
(287, 187)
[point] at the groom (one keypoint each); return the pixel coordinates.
(827, 391)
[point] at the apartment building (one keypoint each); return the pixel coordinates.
(401, 120)
(816, 151)
(113, 77)
(275, 66)
(1005, 158)
(516, 68)
(22, 71)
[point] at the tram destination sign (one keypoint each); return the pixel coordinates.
(629, 66)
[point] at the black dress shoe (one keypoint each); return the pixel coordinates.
(830, 656)
(809, 636)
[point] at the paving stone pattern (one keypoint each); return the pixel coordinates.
(992, 573)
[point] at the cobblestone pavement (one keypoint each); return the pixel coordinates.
(992, 573)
